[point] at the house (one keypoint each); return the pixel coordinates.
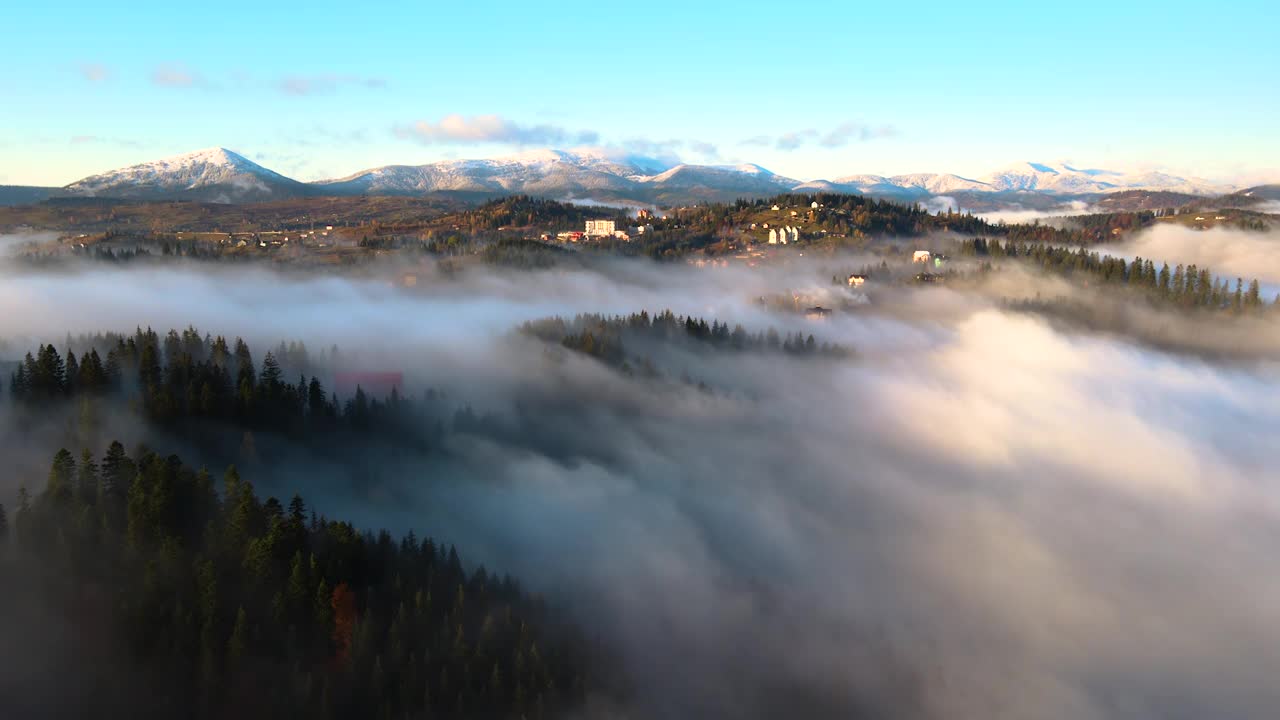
(921, 256)
(775, 207)
(857, 280)
(817, 312)
(773, 237)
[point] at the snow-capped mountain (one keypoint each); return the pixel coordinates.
(913, 185)
(537, 172)
(565, 174)
(746, 179)
(1064, 179)
(220, 175)
(215, 174)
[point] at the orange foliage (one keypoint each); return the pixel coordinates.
(344, 622)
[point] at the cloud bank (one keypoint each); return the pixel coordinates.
(1228, 251)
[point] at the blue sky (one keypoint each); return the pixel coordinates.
(323, 89)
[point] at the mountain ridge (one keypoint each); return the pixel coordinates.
(221, 175)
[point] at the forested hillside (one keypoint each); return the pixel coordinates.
(230, 605)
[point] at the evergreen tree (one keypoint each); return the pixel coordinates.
(87, 480)
(238, 643)
(61, 477)
(1253, 298)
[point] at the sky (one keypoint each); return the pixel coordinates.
(818, 90)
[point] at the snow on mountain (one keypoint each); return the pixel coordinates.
(918, 184)
(1064, 179)
(720, 178)
(215, 174)
(562, 173)
(597, 173)
(935, 183)
(536, 171)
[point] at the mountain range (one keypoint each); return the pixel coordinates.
(220, 175)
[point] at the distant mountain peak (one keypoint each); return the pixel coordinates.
(215, 173)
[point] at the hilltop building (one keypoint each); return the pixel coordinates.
(601, 228)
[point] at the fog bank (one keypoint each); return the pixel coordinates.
(979, 515)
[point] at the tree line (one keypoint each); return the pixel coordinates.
(608, 338)
(1184, 286)
(186, 381)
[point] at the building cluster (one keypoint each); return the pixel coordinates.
(598, 229)
(783, 235)
(601, 228)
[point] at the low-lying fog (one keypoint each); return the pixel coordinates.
(980, 515)
(1230, 252)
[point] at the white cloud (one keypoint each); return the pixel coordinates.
(94, 72)
(476, 129)
(175, 75)
(839, 136)
(326, 83)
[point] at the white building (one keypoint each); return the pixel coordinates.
(920, 256)
(601, 228)
(857, 280)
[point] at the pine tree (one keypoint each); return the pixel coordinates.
(298, 585)
(115, 477)
(87, 480)
(238, 643)
(72, 374)
(4, 526)
(1253, 298)
(61, 476)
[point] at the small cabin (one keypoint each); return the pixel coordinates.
(921, 256)
(857, 280)
(817, 313)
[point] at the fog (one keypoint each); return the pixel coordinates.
(981, 514)
(1056, 215)
(10, 242)
(1228, 252)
